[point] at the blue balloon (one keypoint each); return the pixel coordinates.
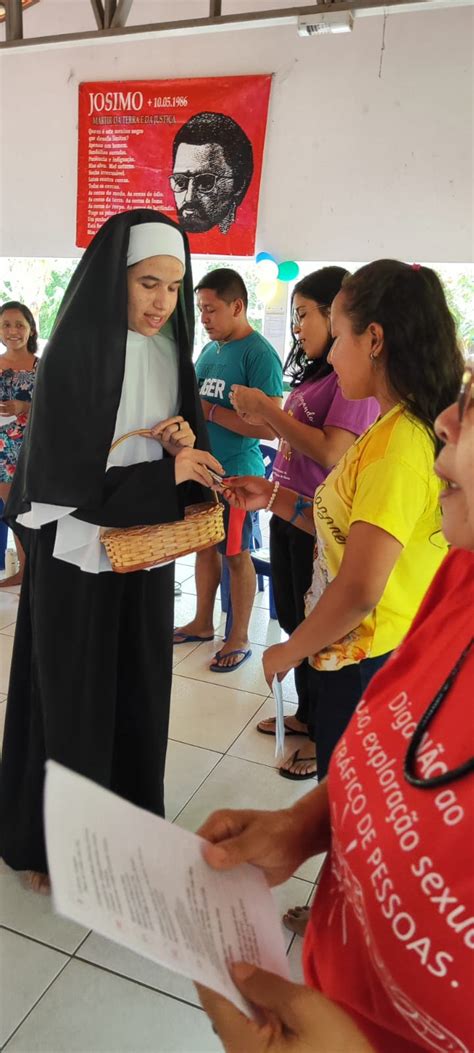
(264, 256)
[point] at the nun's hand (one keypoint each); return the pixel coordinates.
(173, 434)
(193, 465)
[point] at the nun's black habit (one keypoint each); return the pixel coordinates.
(92, 660)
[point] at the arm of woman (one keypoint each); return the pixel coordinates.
(253, 493)
(229, 419)
(325, 445)
(14, 408)
(369, 557)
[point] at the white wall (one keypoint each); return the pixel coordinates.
(356, 166)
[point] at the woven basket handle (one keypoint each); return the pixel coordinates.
(139, 431)
(146, 432)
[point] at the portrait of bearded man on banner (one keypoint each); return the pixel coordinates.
(212, 170)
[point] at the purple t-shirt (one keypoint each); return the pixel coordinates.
(318, 403)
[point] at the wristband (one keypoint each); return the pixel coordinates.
(272, 498)
(212, 410)
(300, 504)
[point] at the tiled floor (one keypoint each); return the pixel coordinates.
(64, 989)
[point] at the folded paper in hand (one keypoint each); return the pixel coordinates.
(277, 689)
(143, 882)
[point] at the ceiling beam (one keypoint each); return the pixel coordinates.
(109, 11)
(248, 20)
(13, 19)
(121, 13)
(98, 13)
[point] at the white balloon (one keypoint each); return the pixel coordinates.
(267, 270)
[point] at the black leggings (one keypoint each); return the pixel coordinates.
(291, 557)
(333, 699)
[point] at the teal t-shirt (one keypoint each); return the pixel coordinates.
(251, 361)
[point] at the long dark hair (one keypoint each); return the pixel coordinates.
(15, 305)
(423, 360)
(321, 286)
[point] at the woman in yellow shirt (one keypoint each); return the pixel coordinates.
(376, 517)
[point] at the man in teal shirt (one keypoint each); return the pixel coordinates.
(236, 354)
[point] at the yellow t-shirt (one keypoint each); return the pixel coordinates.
(386, 478)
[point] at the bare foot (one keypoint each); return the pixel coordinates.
(193, 631)
(38, 882)
(14, 579)
(293, 726)
(296, 919)
(301, 764)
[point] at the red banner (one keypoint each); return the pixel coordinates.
(189, 148)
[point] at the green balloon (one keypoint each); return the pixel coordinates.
(288, 270)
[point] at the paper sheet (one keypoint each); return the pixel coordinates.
(142, 882)
(277, 689)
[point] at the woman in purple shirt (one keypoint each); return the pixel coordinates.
(315, 428)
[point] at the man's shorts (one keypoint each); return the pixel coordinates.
(238, 531)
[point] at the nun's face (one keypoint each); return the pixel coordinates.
(153, 286)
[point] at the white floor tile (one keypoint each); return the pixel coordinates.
(6, 648)
(249, 677)
(263, 629)
(27, 969)
(14, 590)
(185, 609)
(8, 630)
(99, 951)
(8, 608)
(88, 1010)
(182, 572)
(187, 561)
(310, 870)
(262, 599)
(252, 745)
(209, 715)
(33, 914)
(289, 895)
(181, 651)
(236, 783)
(186, 768)
(295, 963)
(189, 586)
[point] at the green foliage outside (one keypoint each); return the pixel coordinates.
(40, 283)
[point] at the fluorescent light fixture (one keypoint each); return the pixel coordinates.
(332, 22)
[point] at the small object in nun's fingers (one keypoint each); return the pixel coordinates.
(214, 475)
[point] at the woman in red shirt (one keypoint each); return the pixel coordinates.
(387, 953)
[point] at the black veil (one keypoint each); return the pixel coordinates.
(79, 381)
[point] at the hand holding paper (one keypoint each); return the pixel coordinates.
(144, 883)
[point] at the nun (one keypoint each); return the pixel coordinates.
(92, 659)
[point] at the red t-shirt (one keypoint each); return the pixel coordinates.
(392, 929)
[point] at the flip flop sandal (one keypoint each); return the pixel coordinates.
(288, 730)
(216, 668)
(296, 776)
(189, 638)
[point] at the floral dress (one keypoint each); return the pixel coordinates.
(15, 385)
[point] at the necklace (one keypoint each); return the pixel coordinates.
(410, 756)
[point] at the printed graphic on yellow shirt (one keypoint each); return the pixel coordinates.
(385, 479)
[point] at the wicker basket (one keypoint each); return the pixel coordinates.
(140, 547)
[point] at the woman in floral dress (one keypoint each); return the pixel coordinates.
(17, 376)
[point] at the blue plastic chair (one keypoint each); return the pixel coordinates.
(260, 562)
